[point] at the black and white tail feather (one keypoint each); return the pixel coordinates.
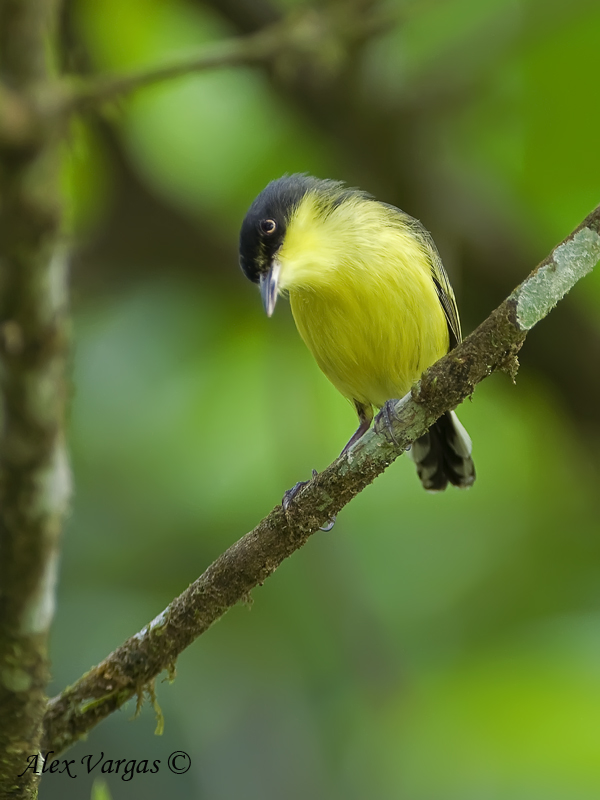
(443, 455)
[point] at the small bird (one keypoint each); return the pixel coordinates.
(370, 299)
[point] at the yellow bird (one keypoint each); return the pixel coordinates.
(370, 299)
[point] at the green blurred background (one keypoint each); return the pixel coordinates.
(430, 647)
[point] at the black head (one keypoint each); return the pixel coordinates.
(264, 226)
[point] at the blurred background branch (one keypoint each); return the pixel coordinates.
(308, 41)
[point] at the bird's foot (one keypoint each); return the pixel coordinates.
(383, 421)
(291, 493)
(329, 525)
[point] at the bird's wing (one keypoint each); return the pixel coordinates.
(442, 282)
(438, 273)
(447, 299)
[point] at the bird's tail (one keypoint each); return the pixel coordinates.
(443, 455)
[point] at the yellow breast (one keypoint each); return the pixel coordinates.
(363, 298)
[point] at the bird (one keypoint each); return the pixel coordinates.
(370, 298)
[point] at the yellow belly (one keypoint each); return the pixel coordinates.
(372, 339)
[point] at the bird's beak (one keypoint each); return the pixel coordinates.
(269, 282)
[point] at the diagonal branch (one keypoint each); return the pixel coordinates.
(132, 667)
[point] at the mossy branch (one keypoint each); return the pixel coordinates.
(249, 562)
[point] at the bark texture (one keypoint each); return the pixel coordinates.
(34, 475)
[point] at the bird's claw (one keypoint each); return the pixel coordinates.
(384, 420)
(329, 525)
(291, 493)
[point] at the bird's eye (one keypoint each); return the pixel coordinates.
(268, 226)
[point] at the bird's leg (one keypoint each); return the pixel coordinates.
(365, 417)
(291, 493)
(388, 413)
